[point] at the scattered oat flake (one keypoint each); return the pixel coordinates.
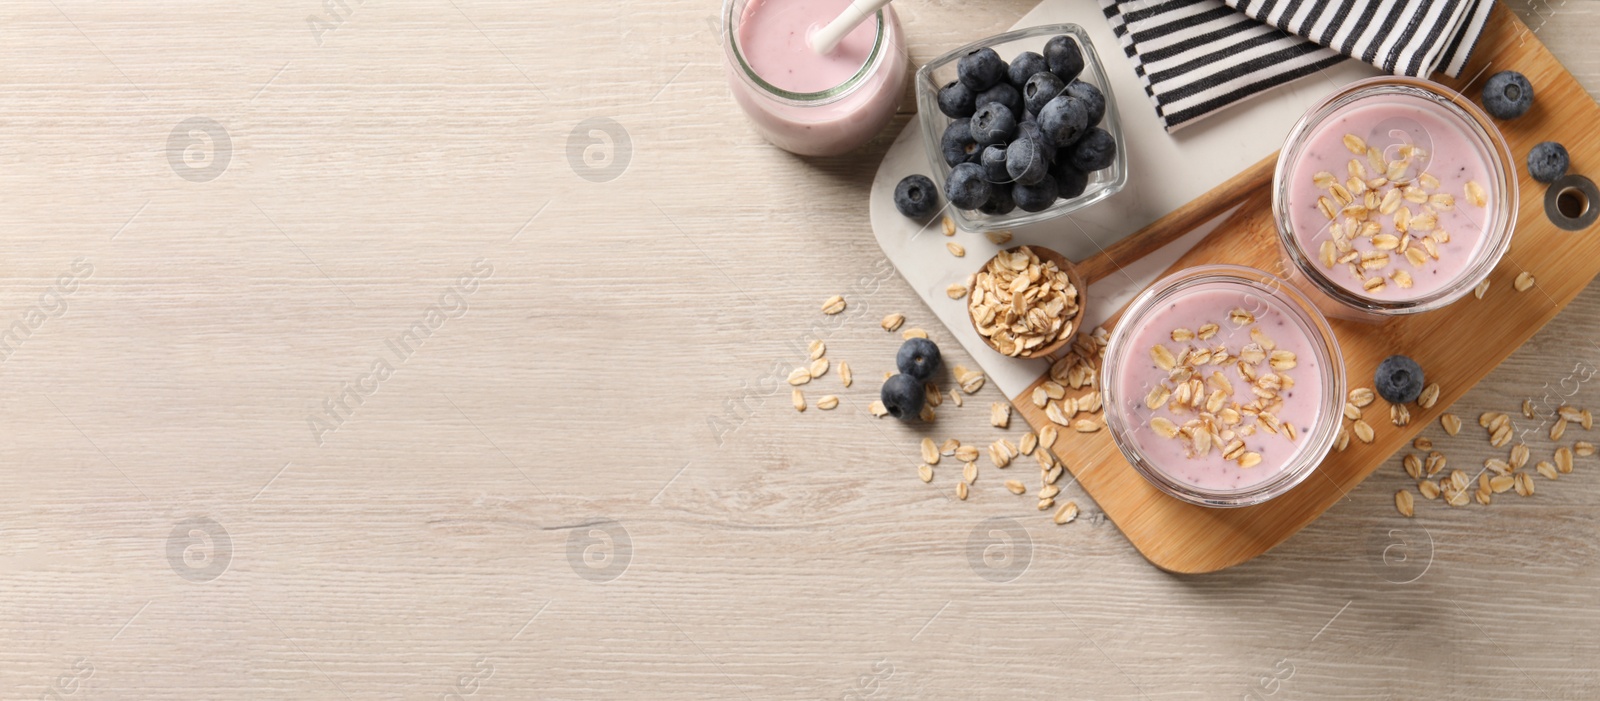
(1429, 396)
(1523, 282)
(1066, 514)
(1047, 437)
(999, 238)
(925, 472)
(927, 414)
(1481, 289)
(1000, 415)
(961, 491)
(819, 367)
(969, 472)
(799, 400)
(833, 305)
(1361, 396)
(930, 452)
(956, 291)
(1403, 503)
(799, 376)
(967, 453)
(1451, 423)
(956, 249)
(876, 408)
(827, 402)
(1363, 430)
(1085, 426)
(1583, 448)
(949, 226)
(1527, 408)
(818, 349)
(844, 373)
(914, 333)
(893, 322)
(1016, 487)
(955, 396)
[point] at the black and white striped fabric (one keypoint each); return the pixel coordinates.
(1198, 56)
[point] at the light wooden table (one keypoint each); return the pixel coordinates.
(582, 479)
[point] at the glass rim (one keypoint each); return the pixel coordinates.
(730, 43)
(1314, 447)
(1497, 235)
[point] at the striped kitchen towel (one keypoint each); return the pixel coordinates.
(1198, 56)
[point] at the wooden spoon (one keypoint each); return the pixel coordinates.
(1069, 328)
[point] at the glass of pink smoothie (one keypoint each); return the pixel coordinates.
(1394, 196)
(803, 102)
(1223, 385)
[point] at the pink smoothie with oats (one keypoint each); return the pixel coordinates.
(1223, 387)
(1388, 198)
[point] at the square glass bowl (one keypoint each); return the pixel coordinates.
(935, 74)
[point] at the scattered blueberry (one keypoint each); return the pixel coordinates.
(967, 187)
(1070, 182)
(1064, 119)
(1024, 66)
(1024, 162)
(918, 358)
(1004, 94)
(957, 143)
(993, 124)
(916, 197)
(1548, 161)
(903, 396)
(1041, 89)
(1036, 197)
(993, 161)
(1092, 97)
(1507, 95)
(980, 70)
(1399, 379)
(1094, 151)
(1000, 200)
(1032, 130)
(956, 101)
(1064, 57)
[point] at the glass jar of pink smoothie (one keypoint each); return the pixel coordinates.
(1394, 196)
(804, 102)
(1223, 385)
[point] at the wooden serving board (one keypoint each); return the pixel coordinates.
(1457, 346)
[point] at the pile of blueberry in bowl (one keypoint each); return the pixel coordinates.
(1020, 142)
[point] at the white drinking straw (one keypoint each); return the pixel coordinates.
(825, 39)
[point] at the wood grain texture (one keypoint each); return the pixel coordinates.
(622, 361)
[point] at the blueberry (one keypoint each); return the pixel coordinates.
(956, 101)
(957, 143)
(1548, 162)
(1061, 53)
(1507, 95)
(918, 359)
(1035, 133)
(1000, 200)
(1399, 379)
(1036, 197)
(993, 161)
(980, 70)
(1041, 89)
(1094, 151)
(916, 197)
(1063, 120)
(1092, 97)
(1070, 182)
(1004, 94)
(903, 396)
(1024, 66)
(1025, 163)
(993, 124)
(966, 187)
